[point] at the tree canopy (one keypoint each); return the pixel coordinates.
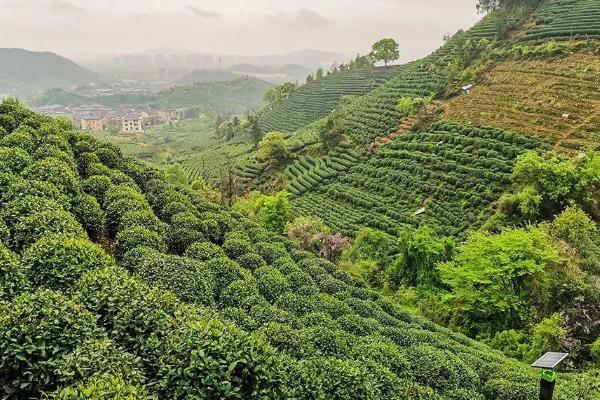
(385, 50)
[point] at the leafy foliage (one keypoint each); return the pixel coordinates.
(495, 279)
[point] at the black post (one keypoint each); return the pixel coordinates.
(547, 383)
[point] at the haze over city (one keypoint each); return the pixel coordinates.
(80, 29)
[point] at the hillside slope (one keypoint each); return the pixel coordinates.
(284, 323)
(317, 99)
(528, 94)
(556, 97)
(25, 72)
(235, 96)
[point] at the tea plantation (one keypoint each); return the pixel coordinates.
(565, 20)
(455, 172)
(317, 99)
(115, 284)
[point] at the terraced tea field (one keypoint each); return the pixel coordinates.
(315, 100)
(557, 99)
(565, 19)
(375, 114)
(455, 172)
(310, 173)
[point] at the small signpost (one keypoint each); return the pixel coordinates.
(547, 363)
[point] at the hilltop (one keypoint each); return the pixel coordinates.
(25, 72)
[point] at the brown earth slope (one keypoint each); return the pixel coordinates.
(556, 98)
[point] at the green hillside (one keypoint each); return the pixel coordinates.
(455, 172)
(114, 281)
(317, 99)
(25, 72)
(565, 20)
(235, 96)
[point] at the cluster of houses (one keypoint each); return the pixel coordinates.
(124, 119)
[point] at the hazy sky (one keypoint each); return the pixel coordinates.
(247, 27)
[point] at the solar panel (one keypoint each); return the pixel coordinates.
(550, 360)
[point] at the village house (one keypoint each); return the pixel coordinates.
(112, 121)
(132, 122)
(89, 121)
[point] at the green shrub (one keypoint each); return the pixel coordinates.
(440, 369)
(209, 359)
(318, 319)
(13, 160)
(264, 313)
(358, 325)
(32, 228)
(36, 332)
(99, 357)
(242, 294)
(225, 271)
(142, 218)
(204, 251)
(128, 308)
(134, 237)
(88, 212)
(251, 261)
(186, 277)
(271, 283)
(19, 139)
(97, 185)
(4, 233)
(110, 155)
(299, 278)
(118, 201)
(13, 277)
(270, 252)
(101, 388)
(21, 208)
(51, 151)
(328, 378)
(185, 229)
(56, 172)
(286, 340)
(57, 261)
(239, 318)
(505, 389)
(329, 342)
(385, 354)
(595, 351)
(21, 188)
(235, 248)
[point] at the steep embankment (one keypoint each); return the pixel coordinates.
(246, 315)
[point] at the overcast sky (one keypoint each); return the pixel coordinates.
(247, 27)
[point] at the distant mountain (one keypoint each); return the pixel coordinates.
(24, 72)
